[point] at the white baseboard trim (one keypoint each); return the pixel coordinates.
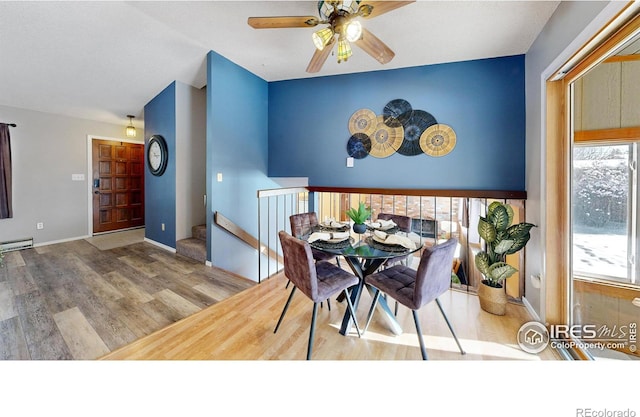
(530, 309)
(161, 245)
(53, 242)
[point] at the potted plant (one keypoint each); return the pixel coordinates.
(501, 239)
(359, 217)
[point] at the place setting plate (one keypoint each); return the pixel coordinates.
(324, 227)
(378, 240)
(333, 243)
(376, 243)
(390, 231)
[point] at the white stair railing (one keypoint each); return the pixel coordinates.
(274, 208)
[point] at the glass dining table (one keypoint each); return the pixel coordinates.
(364, 255)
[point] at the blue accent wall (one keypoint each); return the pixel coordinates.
(237, 147)
(483, 101)
(160, 192)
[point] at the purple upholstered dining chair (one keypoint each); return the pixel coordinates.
(317, 280)
(403, 222)
(414, 289)
(404, 225)
(302, 224)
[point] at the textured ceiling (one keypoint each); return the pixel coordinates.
(104, 60)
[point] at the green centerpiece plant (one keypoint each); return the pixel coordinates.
(359, 216)
(502, 238)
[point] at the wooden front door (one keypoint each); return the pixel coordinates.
(118, 185)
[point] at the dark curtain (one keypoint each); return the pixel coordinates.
(6, 210)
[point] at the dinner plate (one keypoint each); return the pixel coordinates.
(340, 244)
(390, 230)
(383, 228)
(379, 240)
(379, 244)
(384, 242)
(333, 240)
(334, 229)
(328, 226)
(323, 228)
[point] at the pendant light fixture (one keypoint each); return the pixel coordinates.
(322, 37)
(130, 131)
(353, 31)
(344, 49)
(348, 30)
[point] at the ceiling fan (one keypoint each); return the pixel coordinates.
(340, 16)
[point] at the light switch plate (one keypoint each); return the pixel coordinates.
(349, 162)
(77, 177)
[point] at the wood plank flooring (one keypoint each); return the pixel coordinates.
(241, 328)
(74, 301)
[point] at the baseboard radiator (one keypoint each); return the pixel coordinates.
(16, 244)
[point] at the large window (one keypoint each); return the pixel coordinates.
(605, 212)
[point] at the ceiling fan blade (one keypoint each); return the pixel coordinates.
(381, 7)
(319, 57)
(375, 47)
(282, 22)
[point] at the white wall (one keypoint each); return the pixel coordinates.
(191, 158)
(571, 26)
(46, 150)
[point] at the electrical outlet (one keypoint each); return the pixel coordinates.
(39, 225)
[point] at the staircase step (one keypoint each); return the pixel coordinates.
(192, 248)
(199, 232)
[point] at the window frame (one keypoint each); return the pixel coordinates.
(632, 231)
(558, 137)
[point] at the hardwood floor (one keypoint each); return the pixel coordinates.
(74, 301)
(241, 328)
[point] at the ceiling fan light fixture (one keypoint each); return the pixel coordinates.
(130, 131)
(322, 37)
(343, 20)
(326, 8)
(344, 50)
(353, 31)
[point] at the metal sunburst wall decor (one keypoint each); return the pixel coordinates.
(399, 129)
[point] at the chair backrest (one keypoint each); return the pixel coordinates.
(303, 223)
(433, 276)
(403, 222)
(299, 265)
